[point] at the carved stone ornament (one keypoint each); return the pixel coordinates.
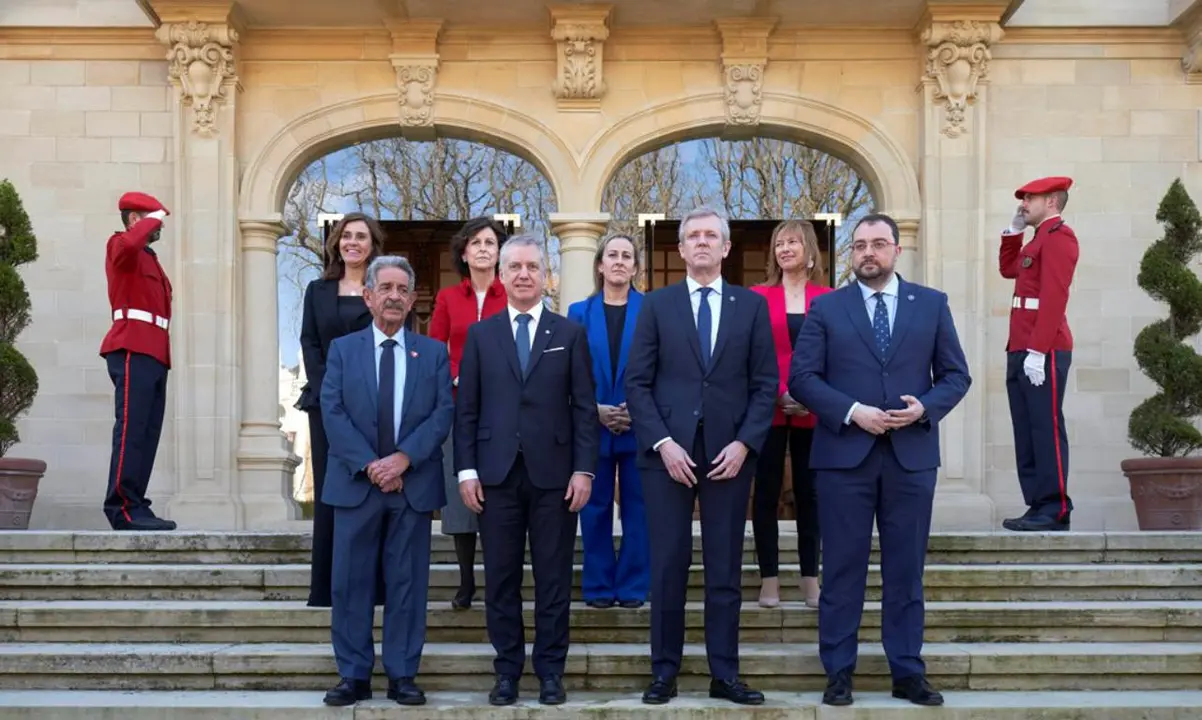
(1191, 61)
(579, 82)
(201, 61)
(415, 84)
(743, 85)
(958, 59)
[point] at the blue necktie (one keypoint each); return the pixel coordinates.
(880, 323)
(385, 432)
(523, 341)
(705, 320)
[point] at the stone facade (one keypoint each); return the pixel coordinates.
(216, 115)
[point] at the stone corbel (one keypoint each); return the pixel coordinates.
(744, 60)
(579, 32)
(415, 60)
(1191, 61)
(201, 63)
(957, 61)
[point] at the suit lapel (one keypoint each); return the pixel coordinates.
(684, 308)
(411, 366)
(901, 317)
(857, 310)
(726, 320)
(634, 301)
(367, 364)
(542, 336)
(599, 328)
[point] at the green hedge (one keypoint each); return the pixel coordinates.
(18, 380)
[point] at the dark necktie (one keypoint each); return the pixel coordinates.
(523, 341)
(385, 432)
(880, 323)
(705, 321)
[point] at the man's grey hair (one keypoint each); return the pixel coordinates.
(523, 240)
(388, 261)
(704, 211)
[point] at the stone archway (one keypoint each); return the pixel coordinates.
(264, 463)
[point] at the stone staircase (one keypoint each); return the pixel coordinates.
(214, 625)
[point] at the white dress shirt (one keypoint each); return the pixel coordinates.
(536, 314)
(715, 303)
(889, 296)
(400, 365)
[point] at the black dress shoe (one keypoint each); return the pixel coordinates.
(917, 690)
(504, 692)
(631, 604)
(1039, 523)
(660, 691)
(551, 692)
(838, 690)
(1009, 523)
(735, 691)
(600, 604)
(146, 524)
(348, 692)
(405, 692)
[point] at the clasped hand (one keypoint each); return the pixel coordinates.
(680, 466)
(387, 472)
(790, 406)
(876, 421)
(614, 417)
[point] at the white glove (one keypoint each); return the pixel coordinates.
(157, 214)
(1033, 367)
(1018, 223)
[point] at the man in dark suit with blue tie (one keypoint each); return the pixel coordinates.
(880, 363)
(387, 408)
(701, 386)
(526, 444)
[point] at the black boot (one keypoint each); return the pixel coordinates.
(465, 552)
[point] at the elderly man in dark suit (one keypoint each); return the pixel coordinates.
(387, 406)
(880, 364)
(701, 387)
(526, 444)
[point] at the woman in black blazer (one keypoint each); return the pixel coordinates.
(333, 307)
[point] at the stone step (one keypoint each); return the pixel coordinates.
(224, 548)
(291, 621)
(298, 705)
(949, 583)
(469, 666)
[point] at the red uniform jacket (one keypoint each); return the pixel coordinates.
(1042, 272)
(455, 309)
(778, 318)
(139, 295)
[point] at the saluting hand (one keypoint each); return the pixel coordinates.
(579, 489)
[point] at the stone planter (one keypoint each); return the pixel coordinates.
(19, 478)
(1167, 492)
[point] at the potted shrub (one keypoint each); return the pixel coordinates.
(1166, 485)
(19, 477)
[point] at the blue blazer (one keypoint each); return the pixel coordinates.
(611, 390)
(349, 395)
(836, 362)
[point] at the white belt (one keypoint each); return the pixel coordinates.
(142, 315)
(1025, 303)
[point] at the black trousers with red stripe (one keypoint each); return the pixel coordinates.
(1040, 437)
(140, 384)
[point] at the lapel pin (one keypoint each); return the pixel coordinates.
(909, 297)
(412, 353)
(546, 332)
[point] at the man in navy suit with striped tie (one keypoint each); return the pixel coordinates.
(880, 364)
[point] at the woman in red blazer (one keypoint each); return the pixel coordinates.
(795, 278)
(476, 253)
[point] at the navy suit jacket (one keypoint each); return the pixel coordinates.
(611, 389)
(668, 390)
(836, 362)
(349, 395)
(550, 415)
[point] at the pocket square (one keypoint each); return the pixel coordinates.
(554, 349)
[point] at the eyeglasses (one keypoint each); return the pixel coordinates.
(878, 245)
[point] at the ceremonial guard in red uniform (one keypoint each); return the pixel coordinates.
(1039, 350)
(137, 349)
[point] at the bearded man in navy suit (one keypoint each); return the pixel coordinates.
(880, 363)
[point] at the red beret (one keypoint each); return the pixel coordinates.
(139, 202)
(1044, 185)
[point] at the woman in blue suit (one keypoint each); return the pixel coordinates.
(609, 316)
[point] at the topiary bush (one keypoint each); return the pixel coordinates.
(18, 380)
(1162, 425)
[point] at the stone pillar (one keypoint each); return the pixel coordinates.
(956, 38)
(202, 41)
(909, 263)
(578, 235)
(265, 463)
